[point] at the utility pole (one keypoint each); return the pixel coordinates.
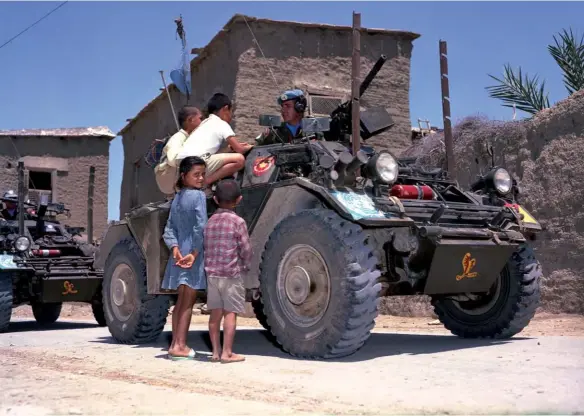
(90, 189)
(450, 164)
(355, 75)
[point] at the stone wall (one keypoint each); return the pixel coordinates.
(72, 158)
(545, 155)
(155, 122)
(319, 62)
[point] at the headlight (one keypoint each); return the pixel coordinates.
(501, 181)
(384, 167)
(22, 243)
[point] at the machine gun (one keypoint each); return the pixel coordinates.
(374, 120)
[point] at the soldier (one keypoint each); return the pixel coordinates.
(10, 211)
(293, 104)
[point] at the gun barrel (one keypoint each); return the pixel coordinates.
(372, 74)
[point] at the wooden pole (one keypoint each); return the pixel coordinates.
(20, 202)
(355, 75)
(450, 164)
(90, 204)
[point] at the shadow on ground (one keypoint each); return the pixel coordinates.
(32, 325)
(257, 342)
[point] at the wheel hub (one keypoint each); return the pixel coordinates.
(297, 285)
(477, 305)
(303, 285)
(122, 292)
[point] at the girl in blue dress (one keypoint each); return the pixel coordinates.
(183, 236)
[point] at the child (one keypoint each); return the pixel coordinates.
(227, 254)
(183, 236)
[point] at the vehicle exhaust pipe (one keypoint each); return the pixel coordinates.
(340, 167)
(360, 159)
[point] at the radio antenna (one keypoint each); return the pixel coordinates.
(262, 52)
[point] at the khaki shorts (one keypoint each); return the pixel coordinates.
(226, 293)
(214, 162)
(166, 178)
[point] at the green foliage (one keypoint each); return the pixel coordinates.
(569, 55)
(528, 94)
(515, 89)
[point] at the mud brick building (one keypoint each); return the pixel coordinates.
(314, 57)
(57, 163)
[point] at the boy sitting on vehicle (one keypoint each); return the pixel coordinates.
(212, 135)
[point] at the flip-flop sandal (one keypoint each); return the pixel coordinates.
(233, 360)
(191, 356)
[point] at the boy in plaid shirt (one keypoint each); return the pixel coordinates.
(227, 255)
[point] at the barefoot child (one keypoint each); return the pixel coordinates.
(183, 236)
(227, 255)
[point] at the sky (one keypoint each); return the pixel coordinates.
(97, 63)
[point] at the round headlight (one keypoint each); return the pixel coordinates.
(386, 168)
(502, 181)
(22, 243)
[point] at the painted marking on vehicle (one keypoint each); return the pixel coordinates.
(527, 217)
(69, 288)
(262, 164)
(467, 265)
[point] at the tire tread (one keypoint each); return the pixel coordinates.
(360, 282)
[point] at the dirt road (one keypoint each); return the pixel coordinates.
(76, 368)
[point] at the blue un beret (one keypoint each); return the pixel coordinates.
(289, 95)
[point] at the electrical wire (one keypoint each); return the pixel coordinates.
(29, 27)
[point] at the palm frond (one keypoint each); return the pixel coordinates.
(526, 94)
(569, 55)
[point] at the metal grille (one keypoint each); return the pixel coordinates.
(322, 105)
(34, 195)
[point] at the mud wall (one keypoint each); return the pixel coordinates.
(71, 158)
(546, 155)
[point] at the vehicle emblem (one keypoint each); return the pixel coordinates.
(262, 164)
(69, 288)
(467, 265)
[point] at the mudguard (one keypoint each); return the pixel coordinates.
(145, 225)
(115, 232)
(266, 205)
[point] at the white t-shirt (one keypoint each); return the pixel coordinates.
(209, 137)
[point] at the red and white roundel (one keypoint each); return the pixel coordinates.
(262, 164)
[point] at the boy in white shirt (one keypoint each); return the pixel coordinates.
(213, 134)
(166, 172)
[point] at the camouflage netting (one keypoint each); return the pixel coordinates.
(546, 156)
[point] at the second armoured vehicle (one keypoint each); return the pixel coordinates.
(43, 264)
(333, 232)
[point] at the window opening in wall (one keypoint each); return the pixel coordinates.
(40, 183)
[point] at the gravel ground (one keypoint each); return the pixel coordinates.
(75, 367)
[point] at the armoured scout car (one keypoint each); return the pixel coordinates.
(333, 232)
(42, 264)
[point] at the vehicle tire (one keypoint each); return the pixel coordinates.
(318, 285)
(98, 313)
(258, 310)
(97, 307)
(506, 311)
(46, 313)
(5, 300)
(132, 316)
